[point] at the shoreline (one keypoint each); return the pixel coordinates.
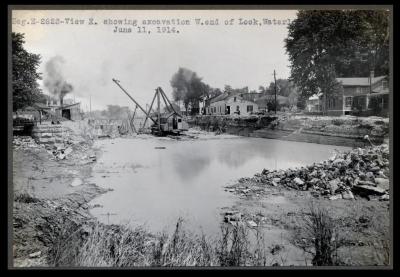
(348, 131)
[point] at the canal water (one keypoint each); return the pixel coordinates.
(157, 180)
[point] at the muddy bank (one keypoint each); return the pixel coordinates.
(343, 131)
(361, 227)
(50, 182)
(353, 187)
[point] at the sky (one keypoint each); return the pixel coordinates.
(235, 55)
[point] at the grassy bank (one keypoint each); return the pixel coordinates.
(73, 240)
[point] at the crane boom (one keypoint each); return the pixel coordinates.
(140, 107)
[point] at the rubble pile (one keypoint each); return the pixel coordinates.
(24, 142)
(69, 151)
(66, 150)
(361, 172)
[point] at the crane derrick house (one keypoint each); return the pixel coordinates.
(54, 109)
(362, 96)
(229, 104)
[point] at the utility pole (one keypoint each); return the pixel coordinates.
(275, 89)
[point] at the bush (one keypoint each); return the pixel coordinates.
(338, 122)
(25, 197)
(320, 227)
(233, 246)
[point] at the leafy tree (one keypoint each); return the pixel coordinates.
(323, 45)
(262, 89)
(370, 50)
(293, 97)
(214, 92)
(228, 89)
(283, 87)
(25, 88)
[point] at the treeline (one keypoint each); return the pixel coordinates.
(188, 89)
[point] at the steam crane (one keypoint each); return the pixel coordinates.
(163, 123)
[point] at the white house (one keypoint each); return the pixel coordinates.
(226, 104)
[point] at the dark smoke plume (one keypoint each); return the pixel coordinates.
(54, 80)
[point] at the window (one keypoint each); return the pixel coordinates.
(348, 101)
(237, 108)
(250, 108)
(234, 99)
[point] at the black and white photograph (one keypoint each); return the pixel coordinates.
(233, 137)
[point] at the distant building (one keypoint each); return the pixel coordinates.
(360, 96)
(68, 109)
(314, 103)
(229, 104)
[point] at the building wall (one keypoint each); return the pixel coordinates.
(355, 90)
(335, 105)
(235, 102)
(219, 108)
(75, 112)
(313, 105)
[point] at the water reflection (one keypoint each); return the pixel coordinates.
(187, 177)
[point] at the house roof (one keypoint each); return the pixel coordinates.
(219, 98)
(379, 93)
(224, 96)
(359, 81)
(68, 106)
(41, 106)
(381, 90)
